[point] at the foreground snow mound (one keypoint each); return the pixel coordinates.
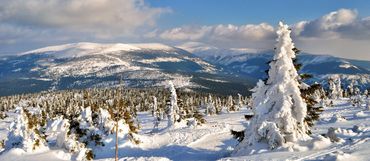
(212, 140)
(339, 140)
(337, 118)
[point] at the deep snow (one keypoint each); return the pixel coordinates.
(213, 141)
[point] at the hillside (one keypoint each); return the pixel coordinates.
(83, 65)
(193, 66)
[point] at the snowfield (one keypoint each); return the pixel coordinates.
(213, 141)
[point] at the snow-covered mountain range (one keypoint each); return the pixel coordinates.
(192, 65)
(82, 65)
(254, 63)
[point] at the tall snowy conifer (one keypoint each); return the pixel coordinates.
(172, 108)
(279, 110)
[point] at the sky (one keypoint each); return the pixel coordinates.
(340, 28)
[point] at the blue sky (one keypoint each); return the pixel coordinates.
(319, 27)
(211, 12)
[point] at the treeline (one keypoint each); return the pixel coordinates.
(58, 102)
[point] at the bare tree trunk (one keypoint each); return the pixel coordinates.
(116, 140)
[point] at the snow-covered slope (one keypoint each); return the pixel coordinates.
(195, 65)
(81, 65)
(213, 141)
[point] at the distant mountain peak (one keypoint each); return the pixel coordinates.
(87, 48)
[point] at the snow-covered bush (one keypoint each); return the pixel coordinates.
(332, 135)
(106, 122)
(67, 139)
(337, 118)
(25, 133)
(3, 115)
(2, 144)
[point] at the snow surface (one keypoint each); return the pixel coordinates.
(212, 141)
(353, 132)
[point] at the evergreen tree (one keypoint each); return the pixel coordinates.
(172, 108)
(279, 111)
(335, 89)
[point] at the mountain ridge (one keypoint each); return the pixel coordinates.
(85, 65)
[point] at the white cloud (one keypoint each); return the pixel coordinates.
(257, 36)
(35, 23)
(341, 33)
(343, 23)
(101, 17)
(186, 33)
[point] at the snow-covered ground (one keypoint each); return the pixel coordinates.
(213, 141)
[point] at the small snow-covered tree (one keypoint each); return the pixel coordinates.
(156, 114)
(279, 110)
(335, 89)
(106, 123)
(172, 108)
(210, 106)
(240, 103)
(312, 96)
(229, 103)
(25, 133)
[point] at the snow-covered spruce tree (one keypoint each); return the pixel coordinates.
(172, 108)
(154, 106)
(156, 114)
(335, 89)
(218, 105)
(106, 123)
(310, 94)
(279, 110)
(240, 102)
(210, 106)
(229, 103)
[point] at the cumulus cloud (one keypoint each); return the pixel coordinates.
(258, 36)
(343, 24)
(186, 33)
(35, 23)
(341, 33)
(101, 17)
(324, 35)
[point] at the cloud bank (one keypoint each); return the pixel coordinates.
(257, 36)
(341, 33)
(35, 23)
(95, 16)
